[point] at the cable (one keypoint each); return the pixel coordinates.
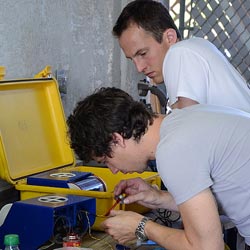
(89, 231)
(63, 227)
(47, 246)
(165, 217)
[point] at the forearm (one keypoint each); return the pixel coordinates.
(202, 227)
(168, 238)
(183, 102)
(176, 239)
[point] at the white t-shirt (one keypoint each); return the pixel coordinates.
(205, 146)
(196, 69)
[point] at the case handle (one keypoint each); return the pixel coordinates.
(2, 72)
(45, 73)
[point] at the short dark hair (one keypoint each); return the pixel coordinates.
(95, 119)
(151, 15)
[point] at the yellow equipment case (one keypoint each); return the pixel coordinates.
(33, 140)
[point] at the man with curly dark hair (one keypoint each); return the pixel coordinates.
(98, 118)
(202, 155)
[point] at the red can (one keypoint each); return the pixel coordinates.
(72, 240)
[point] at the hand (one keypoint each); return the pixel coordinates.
(121, 225)
(138, 190)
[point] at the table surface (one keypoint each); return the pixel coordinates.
(101, 241)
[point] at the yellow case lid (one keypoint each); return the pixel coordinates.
(33, 131)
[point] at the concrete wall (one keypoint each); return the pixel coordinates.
(70, 35)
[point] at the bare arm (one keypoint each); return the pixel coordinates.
(183, 102)
(201, 222)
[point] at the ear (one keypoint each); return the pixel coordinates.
(170, 36)
(118, 140)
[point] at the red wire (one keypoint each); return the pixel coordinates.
(114, 205)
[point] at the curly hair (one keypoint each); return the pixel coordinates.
(151, 15)
(95, 119)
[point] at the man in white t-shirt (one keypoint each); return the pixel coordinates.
(202, 153)
(194, 71)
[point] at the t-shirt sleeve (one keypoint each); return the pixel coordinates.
(185, 75)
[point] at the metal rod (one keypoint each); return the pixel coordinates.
(182, 17)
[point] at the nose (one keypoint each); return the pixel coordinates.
(113, 169)
(140, 65)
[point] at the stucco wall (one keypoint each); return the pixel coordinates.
(70, 35)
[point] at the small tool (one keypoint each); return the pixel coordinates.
(119, 199)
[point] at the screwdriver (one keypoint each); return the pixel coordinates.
(118, 200)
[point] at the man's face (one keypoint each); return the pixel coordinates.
(126, 159)
(146, 53)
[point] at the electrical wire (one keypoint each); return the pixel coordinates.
(165, 217)
(89, 231)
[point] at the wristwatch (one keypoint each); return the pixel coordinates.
(139, 232)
